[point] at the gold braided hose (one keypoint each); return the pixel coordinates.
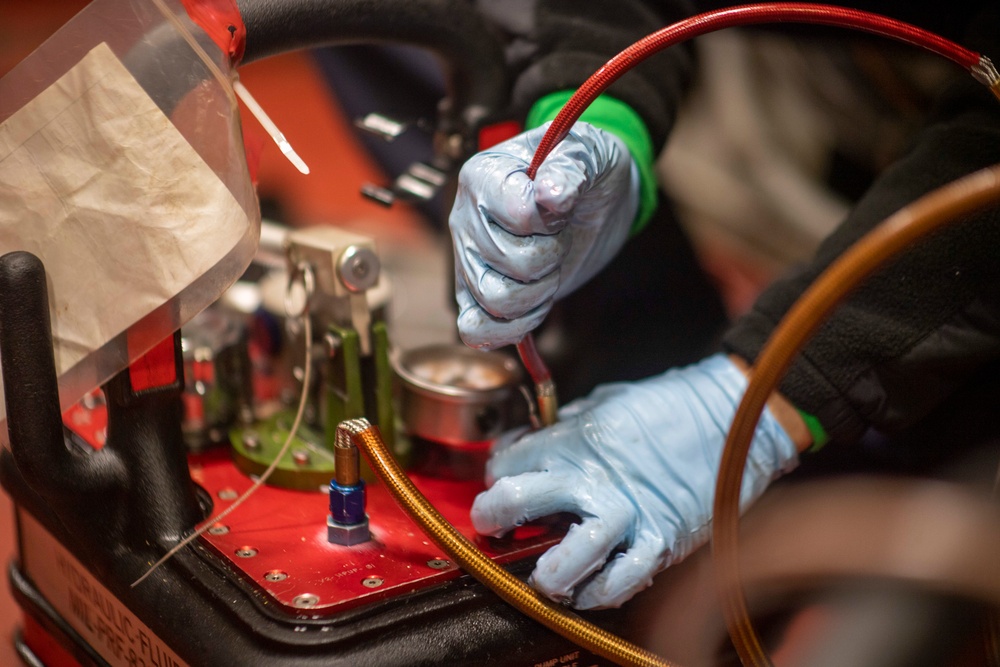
(929, 213)
(894, 235)
(511, 589)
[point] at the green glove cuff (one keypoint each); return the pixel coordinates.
(816, 430)
(621, 120)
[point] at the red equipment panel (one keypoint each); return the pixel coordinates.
(277, 539)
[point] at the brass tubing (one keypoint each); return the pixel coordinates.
(890, 238)
(548, 404)
(347, 466)
(479, 565)
(545, 387)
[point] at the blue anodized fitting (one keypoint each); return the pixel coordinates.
(347, 523)
(347, 503)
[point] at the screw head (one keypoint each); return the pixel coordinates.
(305, 601)
(358, 268)
(218, 529)
(251, 440)
(439, 564)
(372, 582)
(275, 575)
(246, 552)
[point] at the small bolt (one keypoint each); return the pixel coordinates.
(439, 564)
(301, 457)
(276, 575)
(218, 529)
(228, 494)
(372, 582)
(332, 344)
(246, 552)
(359, 268)
(251, 440)
(305, 600)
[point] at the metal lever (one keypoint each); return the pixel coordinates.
(420, 182)
(381, 126)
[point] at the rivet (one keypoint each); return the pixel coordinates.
(439, 564)
(246, 552)
(228, 494)
(305, 600)
(218, 529)
(275, 575)
(301, 457)
(372, 582)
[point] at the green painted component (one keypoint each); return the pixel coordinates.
(344, 399)
(384, 410)
(344, 391)
(309, 473)
(389, 425)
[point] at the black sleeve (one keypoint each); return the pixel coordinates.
(555, 45)
(922, 326)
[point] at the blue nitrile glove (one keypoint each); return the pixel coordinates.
(522, 244)
(638, 463)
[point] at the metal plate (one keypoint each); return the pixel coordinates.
(281, 534)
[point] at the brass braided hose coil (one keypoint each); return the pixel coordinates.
(881, 244)
(891, 237)
(511, 589)
(934, 210)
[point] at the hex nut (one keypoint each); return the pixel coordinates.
(347, 536)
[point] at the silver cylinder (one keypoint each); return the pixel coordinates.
(458, 396)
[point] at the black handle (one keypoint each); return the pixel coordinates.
(134, 490)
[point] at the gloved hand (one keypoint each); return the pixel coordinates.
(638, 463)
(522, 244)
